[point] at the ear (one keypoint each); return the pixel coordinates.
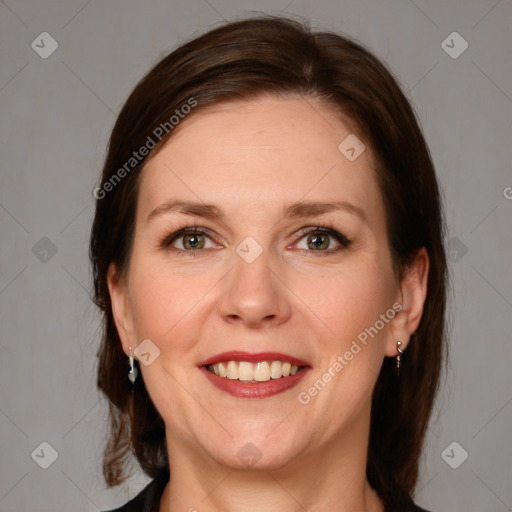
(121, 308)
(411, 297)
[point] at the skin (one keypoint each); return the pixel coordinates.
(252, 159)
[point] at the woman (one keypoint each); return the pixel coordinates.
(268, 256)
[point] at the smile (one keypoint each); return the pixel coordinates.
(261, 371)
(248, 375)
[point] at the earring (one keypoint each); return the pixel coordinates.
(132, 372)
(398, 357)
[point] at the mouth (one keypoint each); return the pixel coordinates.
(259, 375)
(262, 371)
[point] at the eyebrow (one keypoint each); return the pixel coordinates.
(296, 210)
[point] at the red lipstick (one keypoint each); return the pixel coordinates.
(244, 389)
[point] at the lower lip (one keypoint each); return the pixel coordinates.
(240, 389)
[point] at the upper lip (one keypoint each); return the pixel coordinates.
(237, 355)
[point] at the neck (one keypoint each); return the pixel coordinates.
(333, 477)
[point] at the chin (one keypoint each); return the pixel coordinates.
(258, 452)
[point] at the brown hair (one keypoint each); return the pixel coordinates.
(242, 60)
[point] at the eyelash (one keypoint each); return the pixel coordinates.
(167, 241)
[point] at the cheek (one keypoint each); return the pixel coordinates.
(347, 308)
(346, 300)
(163, 298)
(168, 308)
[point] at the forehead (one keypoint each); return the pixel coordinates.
(260, 153)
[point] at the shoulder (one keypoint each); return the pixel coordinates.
(148, 500)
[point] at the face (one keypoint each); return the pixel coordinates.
(247, 270)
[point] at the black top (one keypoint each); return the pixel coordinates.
(148, 500)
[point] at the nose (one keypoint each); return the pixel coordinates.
(255, 294)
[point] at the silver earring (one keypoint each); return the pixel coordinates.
(398, 357)
(132, 372)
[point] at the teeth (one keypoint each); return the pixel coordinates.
(245, 370)
(232, 370)
(276, 369)
(262, 372)
(249, 372)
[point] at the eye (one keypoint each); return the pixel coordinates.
(320, 239)
(192, 240)
(187, 240)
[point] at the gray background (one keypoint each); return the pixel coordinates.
(55, 118)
